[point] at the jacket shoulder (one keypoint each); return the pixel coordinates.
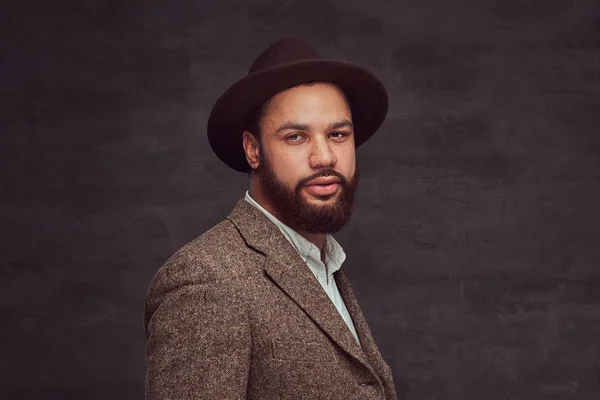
(216, 255)
(219, 256)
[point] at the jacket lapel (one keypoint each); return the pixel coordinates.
(362, 329)
(286, 268)
(300, 284)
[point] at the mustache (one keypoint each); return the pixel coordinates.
(322, 174)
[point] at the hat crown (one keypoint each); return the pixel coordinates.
(284, 51)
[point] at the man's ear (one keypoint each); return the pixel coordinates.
(251, 144)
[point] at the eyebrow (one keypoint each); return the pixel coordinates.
(304, 127)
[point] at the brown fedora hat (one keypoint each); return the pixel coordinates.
(284, 64)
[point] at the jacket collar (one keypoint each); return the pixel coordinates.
(308, 251)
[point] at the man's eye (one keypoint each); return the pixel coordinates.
(341, 134)
(292, 136)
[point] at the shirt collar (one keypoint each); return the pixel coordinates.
(334, 254)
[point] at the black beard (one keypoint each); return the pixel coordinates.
(296, 212)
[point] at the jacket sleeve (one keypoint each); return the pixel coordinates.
(198, 338)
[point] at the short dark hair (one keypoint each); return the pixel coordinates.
(255, 120)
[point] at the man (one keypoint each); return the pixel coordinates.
(257, 307)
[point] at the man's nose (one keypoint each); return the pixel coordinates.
(322, 155)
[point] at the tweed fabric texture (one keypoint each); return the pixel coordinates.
(311, 255)
(237, 314)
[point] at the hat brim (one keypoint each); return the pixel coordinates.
(229, 117)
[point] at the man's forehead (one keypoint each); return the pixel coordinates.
(320, 90)
(293, 105)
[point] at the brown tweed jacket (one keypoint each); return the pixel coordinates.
(236, 314)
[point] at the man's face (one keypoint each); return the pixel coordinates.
(307, 134)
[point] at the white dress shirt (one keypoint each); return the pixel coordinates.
(311, 255)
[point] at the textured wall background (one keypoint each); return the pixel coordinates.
(474, 248)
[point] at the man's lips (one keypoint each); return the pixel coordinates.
(323, 189)
(324, 181)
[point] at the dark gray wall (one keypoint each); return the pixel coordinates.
(474, 248)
